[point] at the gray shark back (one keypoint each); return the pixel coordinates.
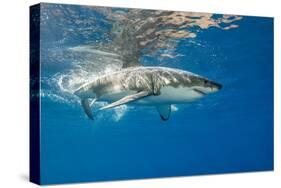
(142, 78)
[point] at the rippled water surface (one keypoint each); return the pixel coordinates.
(229, 131)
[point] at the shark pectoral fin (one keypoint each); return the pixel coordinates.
(87, 109)
(164, 111)
(128, 99)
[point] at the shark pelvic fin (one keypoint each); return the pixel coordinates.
(86, 107)
(128, 99)
(164, 111)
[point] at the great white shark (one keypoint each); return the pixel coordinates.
(152, 86)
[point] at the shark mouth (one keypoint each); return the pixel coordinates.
(200, 92)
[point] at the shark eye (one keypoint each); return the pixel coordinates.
(205, 81)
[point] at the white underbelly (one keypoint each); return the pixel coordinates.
(168, 95)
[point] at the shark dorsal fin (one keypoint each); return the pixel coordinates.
(128, 99)
(164, 111)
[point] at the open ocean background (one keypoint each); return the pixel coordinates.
(229, 131)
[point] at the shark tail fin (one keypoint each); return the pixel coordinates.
(87, 109)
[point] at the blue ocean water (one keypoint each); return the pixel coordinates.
(229, 131)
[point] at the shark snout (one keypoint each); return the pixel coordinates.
(210, 87)
(216, 85)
